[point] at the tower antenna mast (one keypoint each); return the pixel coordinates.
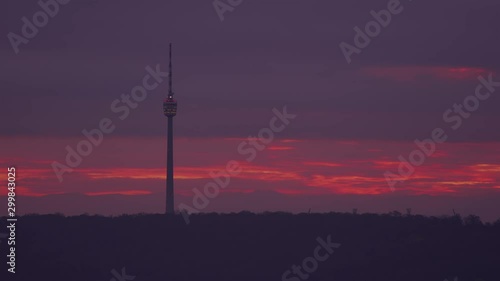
(170, 89)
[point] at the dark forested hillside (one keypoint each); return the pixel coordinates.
(248, 246)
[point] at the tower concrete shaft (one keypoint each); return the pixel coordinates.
(170, 166)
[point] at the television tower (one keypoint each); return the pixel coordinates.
(170, 110)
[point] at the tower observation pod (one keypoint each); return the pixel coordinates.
(170, 107)
(170, 110)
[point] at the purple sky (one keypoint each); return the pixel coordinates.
(353, 120)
